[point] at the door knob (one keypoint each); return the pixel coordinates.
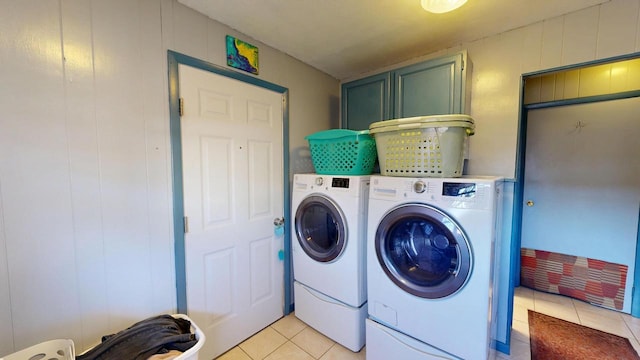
(530, 203)
(278, 221)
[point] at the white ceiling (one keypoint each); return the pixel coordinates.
(345, 38)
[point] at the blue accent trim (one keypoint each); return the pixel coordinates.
(518, 202)
(502, 347)
(288, 260)
(635, 296)
(584, 100)
(204, 65)
(178, 198)
(173, 60)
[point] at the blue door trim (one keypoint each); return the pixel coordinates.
(518, 202)
(518, 197)
(173, 60)
(635, 295)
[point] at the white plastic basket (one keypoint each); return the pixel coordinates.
(425, 146)
(192, 353)
(60, 349)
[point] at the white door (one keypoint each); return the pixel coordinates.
(232, 160)
(582, 182)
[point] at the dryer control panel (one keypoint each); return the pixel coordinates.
(338, 182)
(459, 193)
(459, 189)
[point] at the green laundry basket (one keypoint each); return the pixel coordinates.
(342, 152)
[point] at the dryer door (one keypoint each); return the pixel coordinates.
(423, 251)
(321, 228)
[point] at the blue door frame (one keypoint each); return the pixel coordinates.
(174, 59)
(518, 203)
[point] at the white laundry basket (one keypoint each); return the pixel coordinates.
(422, 146)
(192, 353)
(60, 349)
(64, 349)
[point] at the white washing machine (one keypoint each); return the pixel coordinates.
(328, 240)
(430, 267)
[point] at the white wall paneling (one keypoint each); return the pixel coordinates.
(618, 20)
(35, 177)
(85, 186)
(86, 234)
(84, 166)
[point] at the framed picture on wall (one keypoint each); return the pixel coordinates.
(242, 55)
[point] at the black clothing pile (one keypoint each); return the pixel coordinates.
(155, 335)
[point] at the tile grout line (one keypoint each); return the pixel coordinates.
(631, 331)
(290, 340)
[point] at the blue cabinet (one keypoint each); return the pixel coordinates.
(365, 101)
(432, 87)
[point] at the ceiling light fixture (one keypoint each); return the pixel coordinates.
(441, 6)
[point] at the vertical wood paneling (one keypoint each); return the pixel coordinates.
(617, 28)
(158, 170)
(6, 323)
(84, 168)
(531, 47)
(122, 32)
(547, 87)
(637, 47)
(190, 32)
(35, 176)
(580, 36)
(595, 80)
(120, 37)
(551, 52)
(217, 46)
(166, 9)
(559, 85)
(493, 73)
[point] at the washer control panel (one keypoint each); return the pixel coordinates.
(338, 182)
(459, 189)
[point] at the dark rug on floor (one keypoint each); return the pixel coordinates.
(555, 339)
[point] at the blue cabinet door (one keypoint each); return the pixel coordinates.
(432, 87)
(365, 101)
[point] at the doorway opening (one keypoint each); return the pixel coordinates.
(597, 82)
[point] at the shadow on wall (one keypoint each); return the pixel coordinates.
(334, 103)
(301, 161)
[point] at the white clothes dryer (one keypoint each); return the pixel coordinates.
(430, 267)
(329, 215)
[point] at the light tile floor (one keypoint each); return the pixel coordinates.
(568, 309)
(291, 339)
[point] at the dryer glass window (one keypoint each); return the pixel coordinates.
(320, 228)
(423, 251)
